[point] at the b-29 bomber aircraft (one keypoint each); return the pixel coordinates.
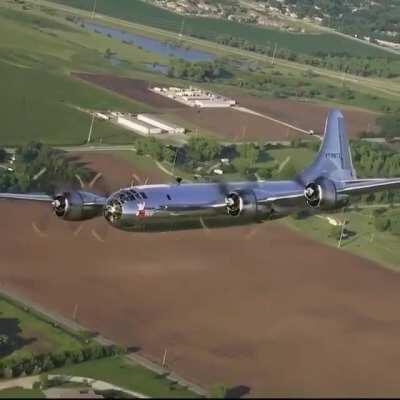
(328, 183)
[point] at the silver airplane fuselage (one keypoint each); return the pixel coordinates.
(166, 207)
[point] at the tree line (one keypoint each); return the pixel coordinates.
(339, 61)
(202, 71)
(36, 364)
(39, 167)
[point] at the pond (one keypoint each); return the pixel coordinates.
(164, 49)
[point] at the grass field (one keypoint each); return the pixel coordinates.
(36, 56)
(382, 247)
(128, 375)
(19, 393)
(30, 335)
(40, 106)
(299, 157)
(147, 14)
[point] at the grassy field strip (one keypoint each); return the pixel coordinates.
(385, 86)
(381, 247)
(127, 374)
(97, 384)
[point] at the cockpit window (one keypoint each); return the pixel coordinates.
(168, 197)
(143, 195)
(123, 197)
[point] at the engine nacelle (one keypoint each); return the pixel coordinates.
(77, 205)
(323, 194)
(241, 203)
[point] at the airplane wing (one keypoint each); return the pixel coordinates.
(284, 196)
(362, 186)
(27, 196)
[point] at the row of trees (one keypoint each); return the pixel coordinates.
(202, 71)
(39, 167)
(387, 221)
(340, 61)
(202, 150)
(374, 160)
(36, 364)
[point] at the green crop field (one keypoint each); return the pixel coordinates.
(19, 393)
(147, 14)
(40, 106)
(129, 376)
(27, 334)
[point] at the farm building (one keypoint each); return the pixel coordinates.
(194, 97)
(134, 124)
(165, 126)
(101, 115)
(214, 103)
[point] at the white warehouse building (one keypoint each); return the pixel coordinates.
(214, 103)
(138, 126)
(163, 125)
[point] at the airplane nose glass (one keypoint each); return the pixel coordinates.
(113, 210)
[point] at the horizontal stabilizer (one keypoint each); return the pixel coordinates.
(361, 186)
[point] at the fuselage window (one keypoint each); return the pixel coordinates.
(168, 197)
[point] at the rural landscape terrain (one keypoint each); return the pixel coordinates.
(303, 306)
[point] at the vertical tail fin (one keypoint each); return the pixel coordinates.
(334, 157)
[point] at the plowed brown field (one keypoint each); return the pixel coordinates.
(235, 125)
(278, 313)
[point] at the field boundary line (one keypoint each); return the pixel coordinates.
(257, 114)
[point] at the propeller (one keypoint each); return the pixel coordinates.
(40, 227)
(94, 231)
(136, 179)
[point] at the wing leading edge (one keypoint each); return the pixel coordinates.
(27, 197)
